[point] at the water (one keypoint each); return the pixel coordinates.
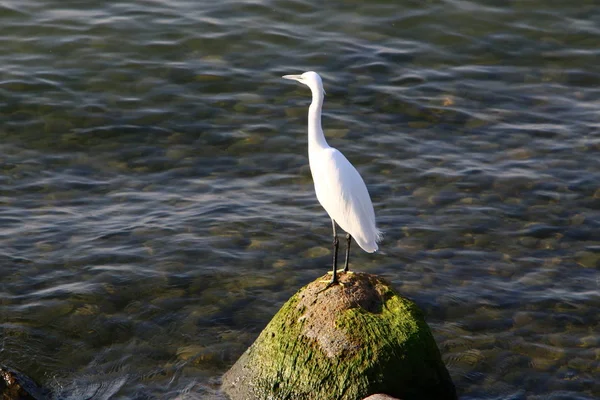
(157, 207)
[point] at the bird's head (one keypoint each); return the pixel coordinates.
(310, 79)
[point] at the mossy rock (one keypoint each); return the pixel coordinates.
(345, 343)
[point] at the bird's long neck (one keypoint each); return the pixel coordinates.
(316, 138)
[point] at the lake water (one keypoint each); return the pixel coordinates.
(156, 205)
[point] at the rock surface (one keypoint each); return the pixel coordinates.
(345, 343)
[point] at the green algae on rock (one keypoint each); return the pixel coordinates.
(347, 342)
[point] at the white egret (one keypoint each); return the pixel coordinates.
(339, 187)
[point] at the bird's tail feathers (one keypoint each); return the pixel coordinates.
(378, 235)
(371, 245)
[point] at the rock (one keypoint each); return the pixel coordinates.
(380, 397)
(16, 386)
(346, 343)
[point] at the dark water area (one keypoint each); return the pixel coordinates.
(156, 206)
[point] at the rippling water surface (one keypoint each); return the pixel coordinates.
(156, 206)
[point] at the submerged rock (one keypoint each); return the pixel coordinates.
(380, 397)
(16, 386)
(347, 342)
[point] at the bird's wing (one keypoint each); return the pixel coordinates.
(342, 192)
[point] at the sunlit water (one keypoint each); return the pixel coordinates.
(157, 207)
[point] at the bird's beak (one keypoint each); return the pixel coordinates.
(292, 77)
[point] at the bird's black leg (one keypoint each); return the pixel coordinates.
(336, 245)
(348, 241)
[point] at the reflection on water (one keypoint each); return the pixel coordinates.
(157, 206)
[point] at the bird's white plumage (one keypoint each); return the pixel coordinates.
(339, 187)
(343, 194)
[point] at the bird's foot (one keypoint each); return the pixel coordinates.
(330, 283)
(341, 271)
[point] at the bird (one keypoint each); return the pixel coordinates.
(339, 187)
